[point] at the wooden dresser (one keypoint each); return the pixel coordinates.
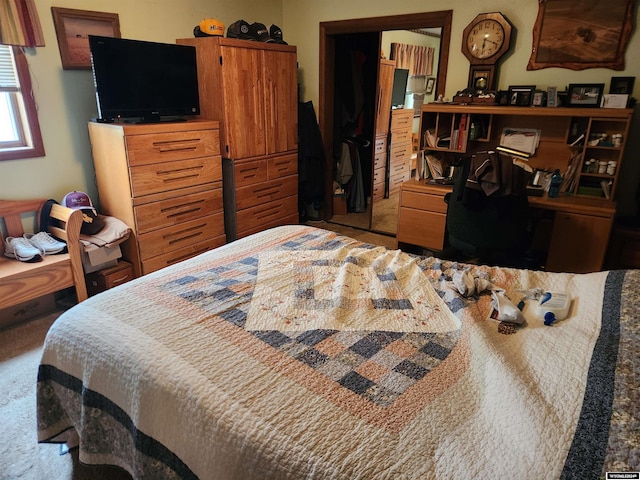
(251, 89)
(164, 181)
(400, 148)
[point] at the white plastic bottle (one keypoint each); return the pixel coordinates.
(553, 306)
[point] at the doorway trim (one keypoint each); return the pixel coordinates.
(328, 30)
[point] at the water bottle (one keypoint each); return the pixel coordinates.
(554, 185)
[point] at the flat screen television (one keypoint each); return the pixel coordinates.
(400, 78)
(140, 81)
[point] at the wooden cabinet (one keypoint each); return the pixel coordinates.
(109, 277)
(400, 148)
(383, 119)
(165, 182)
(422, 215)
(251, 88)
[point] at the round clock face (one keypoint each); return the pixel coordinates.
(485, 39)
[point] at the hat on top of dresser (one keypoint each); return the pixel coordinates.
(276, 34)
(259, 32)
(239, 29)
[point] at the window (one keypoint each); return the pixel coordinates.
(19, 129)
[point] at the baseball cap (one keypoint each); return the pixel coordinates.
(258, 31)
(239, 29)
(91, 221)
(276, 35)
(209, 27)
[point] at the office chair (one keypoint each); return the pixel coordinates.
(488, 216)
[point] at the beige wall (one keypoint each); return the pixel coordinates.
(301, 27)
(66, 101)
(65, 98)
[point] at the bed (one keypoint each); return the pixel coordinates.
(300, 353)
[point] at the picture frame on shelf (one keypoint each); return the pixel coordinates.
(615, 100)
(622, 85)
(585, 94)
(521, 95)
(539, 99)
(552, 96)
(73, 28)
(567, 35)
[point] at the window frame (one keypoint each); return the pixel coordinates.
(36, 149)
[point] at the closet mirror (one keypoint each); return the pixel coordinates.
(374, 74)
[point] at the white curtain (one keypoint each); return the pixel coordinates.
(417, 59)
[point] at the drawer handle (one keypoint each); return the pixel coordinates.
(120, 280)
(182, 235)
(185, 256)
(183, 173)
(249, 172)
(173, 146)
(269, 212)
(267, 191)
(192, 208)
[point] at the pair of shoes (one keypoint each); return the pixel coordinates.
(20, 249)
(45, 243)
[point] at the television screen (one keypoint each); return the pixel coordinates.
(143, 81)
(400, 77)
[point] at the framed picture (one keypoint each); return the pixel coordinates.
(431, 81)
(585, 94)
(567, 34)
(521, 95)
(73, 28)
(615, 100)
(539, 99)
(622, 85)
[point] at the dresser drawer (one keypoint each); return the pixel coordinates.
(248, 173)
(282, 166)
(380, 145)
(160, 177)
(291, 219)
(397, 179)
(164, 147)
(400, 153)
(402, 119)
(399, 168)
(165, 213)
(176, 237)
(266, 214)
(161, 261)
(378, 191)
(380, 160)
(401, 136)
(423, 201)
(264, 192)
(417, 227)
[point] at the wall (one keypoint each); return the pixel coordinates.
(66, 100)
(301, 28)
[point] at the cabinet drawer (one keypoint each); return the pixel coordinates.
(160, 177)
(425, 229)
(172, 211)
(378, 176)
(401, 119)
(261, 193)
(378, 191)
(422, 201)
(397, 179)
(400, 152)
(380, 160)
(399, 168)
(163, 147)
(266, 214)
(161, 261)
(109, 277)
(248, 173)
(401, 136)
(291, 219)
(176, 237)
(380, 145)
(281, 166)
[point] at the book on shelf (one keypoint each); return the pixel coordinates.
(606, 188)
(462, 128)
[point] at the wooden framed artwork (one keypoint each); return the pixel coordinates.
(585, 94)
(622, 85)
(431, 81)
(73, 28)
(569, 35)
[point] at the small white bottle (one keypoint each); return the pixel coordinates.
(553, 306)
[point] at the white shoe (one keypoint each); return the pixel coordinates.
(45, 243)
(21, 249)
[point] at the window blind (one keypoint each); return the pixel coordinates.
(8, 74)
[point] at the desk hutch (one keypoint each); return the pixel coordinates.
(582, 217)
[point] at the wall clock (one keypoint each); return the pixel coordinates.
(484, 41)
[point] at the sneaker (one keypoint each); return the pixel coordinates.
(45, 243)
(21, 249)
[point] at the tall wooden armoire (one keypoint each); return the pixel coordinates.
(251, 88)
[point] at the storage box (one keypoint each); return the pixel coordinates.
(27, 310)
(110, 277)
(97, 258)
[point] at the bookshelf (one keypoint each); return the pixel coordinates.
(446, 130)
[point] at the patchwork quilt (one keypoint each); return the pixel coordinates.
(300, 353)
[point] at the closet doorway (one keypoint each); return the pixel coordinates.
(338, 42)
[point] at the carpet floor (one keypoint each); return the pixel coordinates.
(21, 456)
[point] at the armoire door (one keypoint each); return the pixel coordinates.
(281, 88)
(244, 102)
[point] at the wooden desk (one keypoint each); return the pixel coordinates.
(578, 239)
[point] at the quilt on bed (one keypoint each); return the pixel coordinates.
(299, 353)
